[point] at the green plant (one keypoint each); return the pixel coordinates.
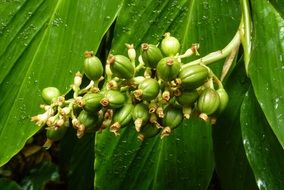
(43, 44)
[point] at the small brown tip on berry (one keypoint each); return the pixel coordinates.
(141, 137)
(111, 59)
(167, 34)
(145, 46)
(166, 132)
(170, 62)
(88, 54)
(204, 116)
(104, 102)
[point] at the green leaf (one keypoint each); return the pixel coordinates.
(7, 184)
(40, 175)
(266, 68)
(232, 166)
(54, 52)
(279, 6)
(185, 158)
(130, 164)
(263, 150)
(77, 159)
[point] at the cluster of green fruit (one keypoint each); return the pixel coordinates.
(155, 92)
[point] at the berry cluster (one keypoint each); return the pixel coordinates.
(155, 92)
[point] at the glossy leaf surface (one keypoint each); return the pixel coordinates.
(266, 68)
(232, 166)
(48, 55)
(263, 150)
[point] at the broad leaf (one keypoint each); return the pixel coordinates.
(232, 167)
(279, 6)
(185, 159)
(40, 176)
(8, 184)
(77, 159)
(128, 163)
(266, 68)
(50, 60)
(263, 150)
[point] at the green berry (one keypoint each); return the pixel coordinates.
(147, 90)
(113, 99)
(151, 55)
(140, 115)
(121, 118)
(56, 134)
(172, 117)
(148, 131)
(168, 68)
(170, 45)
(187, 98)
(121, 66)
(88, 120)
(124, 115)
(50, 94)
(93, 67)
(91, 101)
(208, 101)
(193, 76)
(224, 99)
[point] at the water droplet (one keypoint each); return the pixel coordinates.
(29, 14)
(205, 5)
(261, 184)
(204, 17)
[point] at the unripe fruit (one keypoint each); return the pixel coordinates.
(93, 67)
(124, 115)
(187, 98)
(208, 101)
(172, 117)
(121, 66)
(148, 131)
(56, 134)
(151, 55)
(170, 45)
(50, 94)
(113, 99)
(91, 101)
(224, 99)
(168, 68)
(121, 118)
(87, 120)
(147, 90)
(140, 115)
(193, 76)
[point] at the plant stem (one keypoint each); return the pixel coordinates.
(217, 55)
(228, 63)
(245, 30)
